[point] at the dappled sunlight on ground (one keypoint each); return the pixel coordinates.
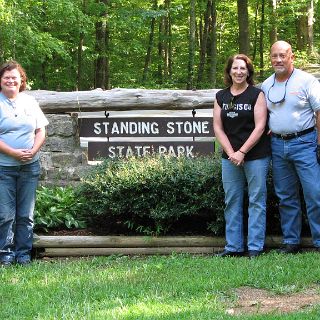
(258, 301)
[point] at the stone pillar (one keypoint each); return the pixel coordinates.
(62, 159)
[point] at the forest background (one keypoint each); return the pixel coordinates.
(68, 45)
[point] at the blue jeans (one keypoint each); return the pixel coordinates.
(18, 186)
(234, 178)
(294, 161)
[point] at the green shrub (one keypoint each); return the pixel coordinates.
(57, 207)
(149, 195)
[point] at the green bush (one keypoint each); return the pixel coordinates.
(150, 195)
(57, 207)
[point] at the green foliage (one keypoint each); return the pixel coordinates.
(150, 194)
(45, 36)
(57, 207)
(161, 195)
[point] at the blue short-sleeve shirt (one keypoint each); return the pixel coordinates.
(19, 119)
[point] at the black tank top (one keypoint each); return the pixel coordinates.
(238, 123)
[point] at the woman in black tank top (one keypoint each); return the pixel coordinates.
(240, 117)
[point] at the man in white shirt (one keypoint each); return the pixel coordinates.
(293, 101)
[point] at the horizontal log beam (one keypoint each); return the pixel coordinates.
(124, 242)
(81, 252)
(123, 100)
(141, 241)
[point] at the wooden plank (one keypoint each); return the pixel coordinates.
(124, 241)
(78, 252)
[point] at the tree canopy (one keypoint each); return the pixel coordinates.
(177, 44)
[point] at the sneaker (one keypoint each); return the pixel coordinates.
(24, 260)
(226, 253)
(6, 263)
(254, 253)
(289, 248)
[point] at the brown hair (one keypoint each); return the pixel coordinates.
(227, 78)
(11, 65)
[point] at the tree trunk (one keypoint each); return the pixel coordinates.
(304, 27)
(204, 42)
(299, 29)
(273, 21)
(79, 64)
(80, 48)
(101, 63)
(170, 54)
(255, 32)
(147, 60)
(44, 63)
(261, 47)
(167, 41)
(44, 78)
(310, 10)
(160, 50)
(192, 45)
(243, 21)
(107, 75)
(213, 45)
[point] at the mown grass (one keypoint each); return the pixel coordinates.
(153, 288)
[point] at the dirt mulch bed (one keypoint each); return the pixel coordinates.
(259, 301)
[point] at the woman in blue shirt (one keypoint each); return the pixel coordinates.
(22, 133)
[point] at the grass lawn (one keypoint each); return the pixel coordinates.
(156, 287)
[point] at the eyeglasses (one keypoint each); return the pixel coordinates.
(285, 90)
(231, 104)
(282, 56)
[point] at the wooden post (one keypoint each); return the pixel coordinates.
(62, 246)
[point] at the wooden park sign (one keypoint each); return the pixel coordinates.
(147, 135)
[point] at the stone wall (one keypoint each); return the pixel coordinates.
(63, 161)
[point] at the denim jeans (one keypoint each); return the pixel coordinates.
(253, 173)
(294, 161)
(18, 186)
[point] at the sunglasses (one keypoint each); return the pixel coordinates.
(284, 96)
(285, 90)
(231, 104)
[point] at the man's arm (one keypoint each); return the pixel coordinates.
(318, 125)
(318, 133)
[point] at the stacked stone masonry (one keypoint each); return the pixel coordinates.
(63, 161)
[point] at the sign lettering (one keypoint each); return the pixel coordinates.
(146, 127)
(190, 149)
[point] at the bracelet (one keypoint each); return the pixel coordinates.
(242, 152)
